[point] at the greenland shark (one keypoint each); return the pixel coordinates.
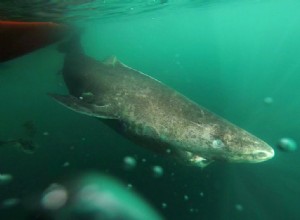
(152, 114)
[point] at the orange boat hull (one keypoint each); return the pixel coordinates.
(19, 38)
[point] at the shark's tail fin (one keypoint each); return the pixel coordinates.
(72, 45)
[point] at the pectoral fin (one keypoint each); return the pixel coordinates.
(200, 161)
(191, 159)
(78, 105)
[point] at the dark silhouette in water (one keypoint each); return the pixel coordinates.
(25, 143)
(30, 128)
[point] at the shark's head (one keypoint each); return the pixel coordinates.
(237, 145)
(219, 140)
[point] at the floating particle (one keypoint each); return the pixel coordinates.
(144, 160)
(201, 194)
(186, 197)
(66, 164)
(157, 171)
(83, 139)
(192, 210)
(129, 186)
(239, 207)
(5, 178)
(177, 55)
(287, 144)
(8, 203)
(164, 205)
(45, 133)
(129, 163)
(54, 197)
(168, 151)
(268, 100)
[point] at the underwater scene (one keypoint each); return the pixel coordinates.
(147, 110)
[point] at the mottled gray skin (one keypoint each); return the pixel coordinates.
(154, 115)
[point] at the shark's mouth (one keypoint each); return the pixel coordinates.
(254, 157)
(262, 155)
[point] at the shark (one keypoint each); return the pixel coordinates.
(152, 114)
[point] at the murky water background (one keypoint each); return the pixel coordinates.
(238, 59)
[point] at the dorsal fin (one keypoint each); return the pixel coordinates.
(111, 61)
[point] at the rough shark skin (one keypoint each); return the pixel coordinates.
(154, 115)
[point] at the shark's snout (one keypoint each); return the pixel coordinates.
(263, 155)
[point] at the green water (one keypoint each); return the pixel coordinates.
(226, 56)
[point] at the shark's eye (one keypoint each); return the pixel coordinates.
(217, 143)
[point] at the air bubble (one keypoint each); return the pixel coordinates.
(54, 197)
(268, 100)
(11, 202)
(239, 207)
(66, 164)
(157, 171)
(287, 144)
(5, 178)
(129, 163)
(164, 205)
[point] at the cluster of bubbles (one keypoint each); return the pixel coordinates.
(284, 144)
(6, 178)
(129, 163)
